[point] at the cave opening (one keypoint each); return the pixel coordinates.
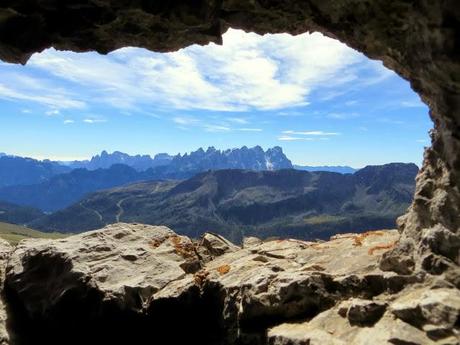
(417, 40)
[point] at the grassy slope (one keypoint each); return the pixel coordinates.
(14, 233)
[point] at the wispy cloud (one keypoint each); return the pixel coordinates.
(185, 121)
(94, 120)
(247, 72)
(314, 133)
(245, 129)
(15, 90)
(292, 138)
(67, 122)
(216, 128)
(290, 113)
(342, 115)
(413, 104)
(238, 120)
(52, 112)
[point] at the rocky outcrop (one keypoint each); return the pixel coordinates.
(416, 39)
(5, 250)
(129, 282)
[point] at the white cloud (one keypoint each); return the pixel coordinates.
(250, 129)
(350, 103)
(413, 104)
(342, 116)
(93, 120)
(314, 133)
(247, 72)
(66, 122)
(238, 120)
(291, 138)
(52, 112)
(216, 128)
(185, 121)
(290, 113)
(57, 99)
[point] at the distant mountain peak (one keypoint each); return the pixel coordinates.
(236, 158)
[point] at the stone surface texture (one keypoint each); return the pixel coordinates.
(5, 250)
(265, 283)
(122, 283)
(417, 39)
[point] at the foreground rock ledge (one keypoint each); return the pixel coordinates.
(128, 282)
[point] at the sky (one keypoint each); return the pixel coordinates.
(321, 101)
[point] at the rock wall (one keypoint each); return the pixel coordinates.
(141, 284)
(417, 39)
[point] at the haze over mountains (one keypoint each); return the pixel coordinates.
(233, 203)
(50, 186)
(245, 190)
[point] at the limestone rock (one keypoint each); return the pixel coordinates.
(418, 40)
(251, 241)
(213, 245)
(329, 327)
(124, 263)
(434, 310)
(128, 281)
(365, 312)
(5, 251)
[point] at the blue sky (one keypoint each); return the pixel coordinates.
(323, 102)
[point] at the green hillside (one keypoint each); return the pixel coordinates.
(15, 233)
(237, 203)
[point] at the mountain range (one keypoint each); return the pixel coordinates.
(25, 171)
(106, 160)
(233, 203)
(51, 186)
(341, 169)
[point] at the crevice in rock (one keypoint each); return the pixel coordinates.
(83, 317)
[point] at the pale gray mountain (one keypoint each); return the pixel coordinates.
(342, 169)
(106, 160)
(254, 158)
(26, 171)
(200, 160)
(49, 192)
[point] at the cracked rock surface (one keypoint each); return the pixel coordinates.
(126, 282)
(417, 39)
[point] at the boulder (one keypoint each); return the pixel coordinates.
(436, 311)
(5, 251)
(213, 245)
(124, 263)
(126, 282)
(364, 312)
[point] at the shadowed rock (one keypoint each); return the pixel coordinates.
(128, 281)
(416, 39)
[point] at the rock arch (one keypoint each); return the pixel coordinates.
(420, 40)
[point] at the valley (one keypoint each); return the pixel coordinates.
(238, 203)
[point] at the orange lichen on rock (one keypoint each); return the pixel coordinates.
(382, 247)
(155, 243)
(224, 269)
(358, 239)
(319, 246)
(200, 277)
(183, 248)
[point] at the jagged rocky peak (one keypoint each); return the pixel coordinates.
(237, 158)
(105, 160)
(130, 282)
